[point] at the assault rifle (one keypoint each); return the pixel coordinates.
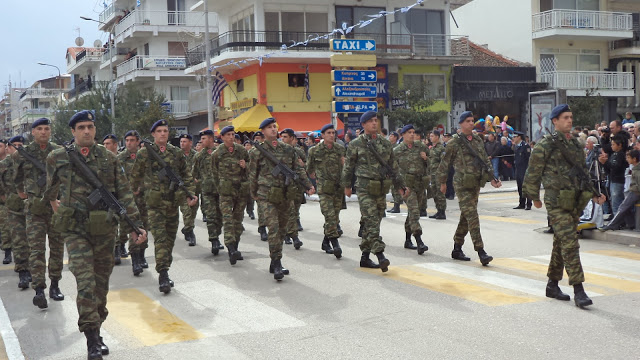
(576, 170)
(175, 182)
(387, 170)
(42, 180)
(280, 168)
(478, 158)
(100, 193)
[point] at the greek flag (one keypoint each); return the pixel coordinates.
(219, 83)
(306, 84)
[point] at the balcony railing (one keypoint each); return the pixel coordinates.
(580, 19)
(626, 43)
(39, 111)
(140, 62)
(164, 18)
(115, 51)
(177, 107)
(107, 14)
(586, 80)
(40, 92)
(416, 45)
(79, 89)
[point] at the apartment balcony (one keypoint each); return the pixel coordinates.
(625, 48)
(147, 23)
(114, 55)
(42, 93)
(440, 49)
(85, 59)
(577, 83)
(151, 68)
(108, 16)
(579, 24)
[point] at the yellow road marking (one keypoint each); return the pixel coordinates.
(456, 288)
(148, 321)
(3, 350)
(616, 253)
(510, 220)
(12, 266)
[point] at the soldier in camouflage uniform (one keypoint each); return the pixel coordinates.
(230, 176)
(288, 136)
(271, 192)
(162, 200)
(16, 216)
(110, 142)
(189, 212)
(127, 158)
(411, 158)
(397, 198)
(89, 231)
(248, 145)
(38, 215)
(203, 175)
(372, 188)
(424, 191)
(435, 157)
(565, 197)
(325, 165)
(470, 175)
(258, 136)
(5, 237)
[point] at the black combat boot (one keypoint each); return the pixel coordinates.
(326, 245)
(287, 240)
(395, 209)
(251, 215)
(263, 233)
(457, 253)
(361, 230)
(365, 262)
(185, 233)
(284, 270)
(40, 300)
(384, 262)
(421, 246)
(29, 276)
(554, 291)
(143, 260)
(300, 228)
(135, 263)
(434, 215)
(116, 255)
(93, 347)
(192, 238)
(23, 279)
(580, 297)
(276, 269)
(485, 258)
(440, 215)
(234, 254)
(123, 251)
(104, 349)
(215, 249)
(296, 242)
(204, 218)
(408, 244)
(54, 291)
(163, 281)
(423, 213)
(340, 232)
(7, 257)
(337, 251)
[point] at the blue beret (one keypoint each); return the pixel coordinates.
(406, 128)
(226, 129)
(326, 127)
(436, 132)
(237, 136)
(84, 115)
(110, 136)
(17, 138)
(558, 110)
(266, 122)
(131, 133)
(219, 141)
(464, 116)
(41, 121)
(394, 134)
(288, 131)
(185, 136)
(206, 132)
(258, 133)
(367, 116)
(161, 122)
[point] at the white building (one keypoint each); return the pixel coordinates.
(38, 100)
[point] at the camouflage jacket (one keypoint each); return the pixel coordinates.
(203, 171)
(409, 159)
(145, 171)
(548, 166)
(635, 180)
(463, 160)
(127, 160)
(360, 159)
(436, 154)
(190, 157)
(64, 180)
(326, 163)
(260, 177)
(27, 174)
(301, 154)
(7, 185)
(225, 165)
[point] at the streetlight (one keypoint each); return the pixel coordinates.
(59, 75)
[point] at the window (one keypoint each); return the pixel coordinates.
(177, 48)
(287, 26)
(569, 60)
(435, 84)
(179, 93)
(351, 15)
(590, 5)
(243, 25)
(240, 85)
(419, 21)
(296, 80)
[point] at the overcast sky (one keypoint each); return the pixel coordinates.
(42, 30)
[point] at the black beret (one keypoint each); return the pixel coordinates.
(226, 129)
(84, 115)
(266, 122)
(17, 138)
(464, 116)
(367, 116)
(185, 136)
(110, 136)
(132, 133)
(558, 110)
(406, 128)
(206, 132)
(258, 133)
(161, 122)
(288, 131)
(326, 127)
(41, 121)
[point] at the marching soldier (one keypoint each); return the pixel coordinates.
(258, 137)
(397, 198)
(161, 198)
(325, 165)
(411, 158)
(554, 162)
(271, 191)
(472, 168)
(248, 145)
(424, 194)
(4, 225)
(521, 162)
(110, 142)
(39, 213)
(230, 176)
(189, 212)
(88, 230)
(372, 188)
(293, 224)
(435, 157)
(127, 158)
(203, 173)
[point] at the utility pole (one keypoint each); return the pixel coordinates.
(207, 59)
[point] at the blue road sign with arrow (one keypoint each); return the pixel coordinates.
(354, 106)
(355, 91)
(354, 76)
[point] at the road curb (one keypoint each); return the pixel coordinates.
(622, 237)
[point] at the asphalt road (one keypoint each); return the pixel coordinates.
(425, 307)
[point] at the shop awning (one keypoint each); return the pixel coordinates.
(304, 121)
(250, 120)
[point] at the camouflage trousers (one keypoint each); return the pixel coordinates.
(294, 216)
(371, 209)
(397, 198)
(163, 222)
(91, 262)
(19, 242)
(124, 236)
(566, 248)
(412, 222)
(232, 208)
(469, 222)
(422, 198)
(211, 209)
(5, 237)
(330, 206)
(261, 221)
(438, 197)
(275, 219)
(189, 215)
(41, 229)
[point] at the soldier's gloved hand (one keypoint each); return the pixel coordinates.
(443, 188)
(347, 192)
(496, 183)
(311, 191)
(537, 204)
(192, 201)
(139, 239)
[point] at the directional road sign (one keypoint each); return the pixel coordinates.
(353, 45)
(354, 91)
(354, 106)
(354, 76)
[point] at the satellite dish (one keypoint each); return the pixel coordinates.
(97, 44)
(79, 41)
